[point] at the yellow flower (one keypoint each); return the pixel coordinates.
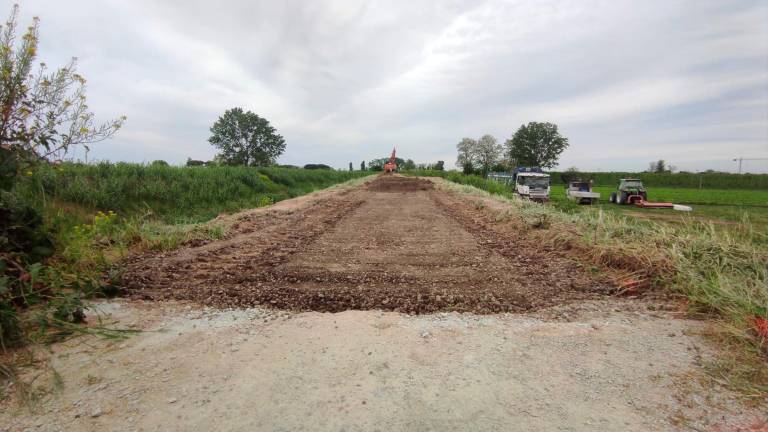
(29, 173)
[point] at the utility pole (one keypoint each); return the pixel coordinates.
(741, 159)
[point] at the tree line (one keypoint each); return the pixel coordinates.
(534, 144)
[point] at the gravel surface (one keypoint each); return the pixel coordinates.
(268, 370)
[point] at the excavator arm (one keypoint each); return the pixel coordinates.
(391, 166)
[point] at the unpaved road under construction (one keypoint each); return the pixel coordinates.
(394, 244)
(398, 304)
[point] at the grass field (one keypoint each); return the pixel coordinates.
(711, 180)
(726, 205)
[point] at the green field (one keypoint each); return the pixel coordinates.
(728, 205)
(725, 205)
(706, 180)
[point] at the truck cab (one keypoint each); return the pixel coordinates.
(532, 183)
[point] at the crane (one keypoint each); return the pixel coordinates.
(391, 166)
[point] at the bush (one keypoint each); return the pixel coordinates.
(22, 230)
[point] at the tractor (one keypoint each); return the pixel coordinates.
(631, 191)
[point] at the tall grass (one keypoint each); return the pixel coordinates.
(172, 194)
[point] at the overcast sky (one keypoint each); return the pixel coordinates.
(626, 81)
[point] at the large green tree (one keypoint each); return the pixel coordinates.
(536, 144)
(467, 159)
(244, 138)
(478, 155)
(488, 153)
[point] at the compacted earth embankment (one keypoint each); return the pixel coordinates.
(395, 243)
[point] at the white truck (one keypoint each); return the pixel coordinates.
(533, 185)
(527, 182)
(581, 192)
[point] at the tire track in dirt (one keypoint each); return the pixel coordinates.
(392, 244)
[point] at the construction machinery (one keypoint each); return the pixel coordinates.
(632, 191)
(391, 165)
(581, 192)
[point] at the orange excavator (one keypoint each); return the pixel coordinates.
(391, 166)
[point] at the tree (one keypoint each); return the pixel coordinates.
(439, 166)
(409, 165)
(488, 153)
(316, 166)
(350, 167)
(244, 138)
(536, 144)
(660, 166)
(362, 166)
(378, 164)
(571, 174)
(43, 114)
(467, 158)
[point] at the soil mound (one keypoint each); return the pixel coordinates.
(395, 183)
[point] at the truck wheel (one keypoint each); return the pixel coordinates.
(613, 197)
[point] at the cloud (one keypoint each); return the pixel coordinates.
(343, 81)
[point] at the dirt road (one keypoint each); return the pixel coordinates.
(440, 322)
(393, 244)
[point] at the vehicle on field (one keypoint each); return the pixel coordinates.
(532, 183)
(527, 182)
(581, 192)
(630, 191)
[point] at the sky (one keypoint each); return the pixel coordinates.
(627, 82)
